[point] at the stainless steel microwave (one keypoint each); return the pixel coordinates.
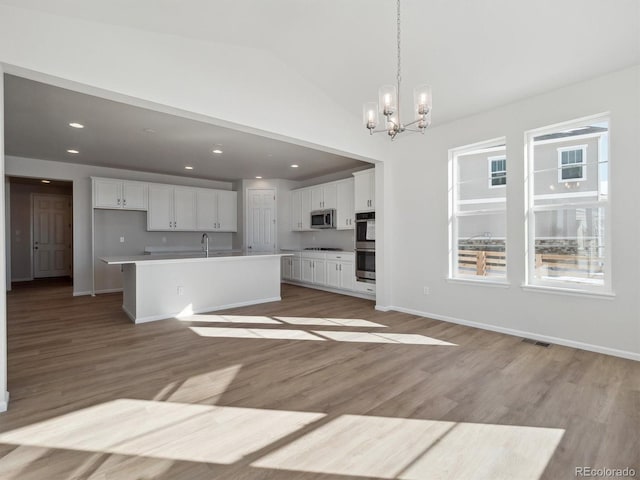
(323, 218)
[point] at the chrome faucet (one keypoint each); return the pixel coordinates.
(205, 244)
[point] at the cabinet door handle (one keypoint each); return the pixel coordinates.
(340, 267)
(124, 202)
(118, 201)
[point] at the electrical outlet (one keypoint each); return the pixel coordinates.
(426, 291)
(180, 290)
(121, 239)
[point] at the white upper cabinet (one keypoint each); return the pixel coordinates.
(324, 196)
(171, 208)
(119, 194)
(227, 211)
(365, 191)
(184, 206)
(301, 202)
(160, 214)
(216, 210)
(344, 210)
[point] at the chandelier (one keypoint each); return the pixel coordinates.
(389, 104)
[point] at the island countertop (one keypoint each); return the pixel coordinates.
(189, 258)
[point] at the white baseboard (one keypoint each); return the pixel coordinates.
(4, 402)
(109, 290)
(164, 316)
(106, 290)
(350, 293)
(518, 333)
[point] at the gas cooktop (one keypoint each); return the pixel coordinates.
(324, 249)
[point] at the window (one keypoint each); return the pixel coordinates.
(568, 226)
(497, 171)
(571, 167)
(478, 211)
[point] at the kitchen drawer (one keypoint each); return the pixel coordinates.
(341, 256)
(364, 287)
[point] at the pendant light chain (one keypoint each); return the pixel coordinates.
(399, 71)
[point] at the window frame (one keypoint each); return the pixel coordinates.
(490, 161)
(487, 146)
(582, 164)
(570, 287)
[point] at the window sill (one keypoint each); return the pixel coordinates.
(575, 292)
(484, 283)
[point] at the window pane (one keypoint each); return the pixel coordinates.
(570, 245)
(481, 245)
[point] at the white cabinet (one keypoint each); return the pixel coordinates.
(286, 266)
(341, 271)
(227, 211)
(365, 190)
(291, 267)
(345, 216)
(119, 194)
(301, 210)
(324, 196)
(216, 210)
(314, 270)
(296, 268)
(171, 208)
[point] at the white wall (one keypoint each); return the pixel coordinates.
(79, 175)
(417, 221)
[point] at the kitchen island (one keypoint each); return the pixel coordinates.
(156, 287)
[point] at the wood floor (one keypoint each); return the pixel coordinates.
(318, 386)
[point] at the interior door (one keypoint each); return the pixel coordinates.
(261, 220)
(51, 236)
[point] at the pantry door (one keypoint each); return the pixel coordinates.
(261, 220)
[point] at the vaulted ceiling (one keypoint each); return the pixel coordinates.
(476, 54)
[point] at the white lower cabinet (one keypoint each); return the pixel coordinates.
(334, 270)
(340, 271)
(314, 270)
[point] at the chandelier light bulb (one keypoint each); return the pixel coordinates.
(370, 115)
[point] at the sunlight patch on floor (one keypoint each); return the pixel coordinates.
(366, 337)
(331, 322)
(318, 335)
(414, 449)
(263, 333)
(174, 431)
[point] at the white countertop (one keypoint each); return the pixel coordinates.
(189, 258)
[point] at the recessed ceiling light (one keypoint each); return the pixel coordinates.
(218, 151)
(76, 125)
(188, 167)
(258, 177)
(71, 150)
(294, 166)
(149, 130)
(45, 181)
